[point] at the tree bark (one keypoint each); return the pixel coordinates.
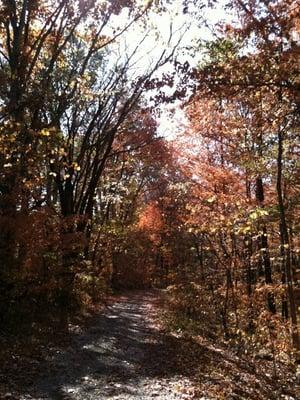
(285, 244)
(264, 247)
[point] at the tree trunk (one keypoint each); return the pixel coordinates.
(264, 247)
(285, 245)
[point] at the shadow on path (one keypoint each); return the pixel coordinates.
(125, 355)
(122, 355)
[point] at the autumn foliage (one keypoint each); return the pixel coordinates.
(93, 198)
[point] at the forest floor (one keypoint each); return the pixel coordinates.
(125, 353)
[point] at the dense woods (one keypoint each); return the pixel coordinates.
(73, 123)
(97, 196)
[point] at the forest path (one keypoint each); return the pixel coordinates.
(123, 354)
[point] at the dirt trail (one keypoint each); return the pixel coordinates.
(122, 355)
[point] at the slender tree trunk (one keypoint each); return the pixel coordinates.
(199, 250)
(285, 244)
(264, 247)
(66, 275)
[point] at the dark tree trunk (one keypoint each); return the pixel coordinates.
(264, 247)
(285, 245)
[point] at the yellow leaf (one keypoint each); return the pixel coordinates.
(211, 199)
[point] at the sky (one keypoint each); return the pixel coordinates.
(153, 37)
(203, 28)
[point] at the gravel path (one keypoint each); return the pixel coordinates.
(122, 355)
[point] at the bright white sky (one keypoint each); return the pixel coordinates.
(173, 120)
(197, 26)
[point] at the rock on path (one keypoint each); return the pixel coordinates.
(123, 355)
